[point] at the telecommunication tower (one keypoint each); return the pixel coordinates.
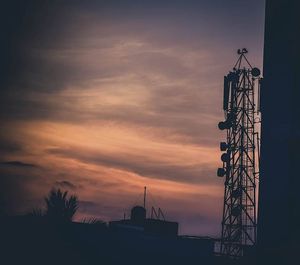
(241, 156)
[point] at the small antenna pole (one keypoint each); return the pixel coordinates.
(145, 193)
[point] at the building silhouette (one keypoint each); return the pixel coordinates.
(279, 198)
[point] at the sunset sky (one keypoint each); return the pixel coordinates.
(103, 98)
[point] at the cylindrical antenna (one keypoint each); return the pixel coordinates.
(145, 193)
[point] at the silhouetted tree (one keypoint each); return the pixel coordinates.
(60, 208)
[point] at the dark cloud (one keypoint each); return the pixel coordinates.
(152, 167)
(9, 146)
(17, 164)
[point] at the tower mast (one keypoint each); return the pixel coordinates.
(240, 157)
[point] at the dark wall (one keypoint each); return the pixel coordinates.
(279, 198)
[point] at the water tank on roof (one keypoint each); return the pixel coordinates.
(138, 214)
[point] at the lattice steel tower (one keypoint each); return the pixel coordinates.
(240, 157)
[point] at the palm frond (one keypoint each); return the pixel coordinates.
(36, 212)
(93, 221)
(59, 207)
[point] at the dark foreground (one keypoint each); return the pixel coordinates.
(32, 241)
(26, 240)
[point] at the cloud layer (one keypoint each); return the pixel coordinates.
(107, 98)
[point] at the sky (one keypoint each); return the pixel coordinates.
(102, 98)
